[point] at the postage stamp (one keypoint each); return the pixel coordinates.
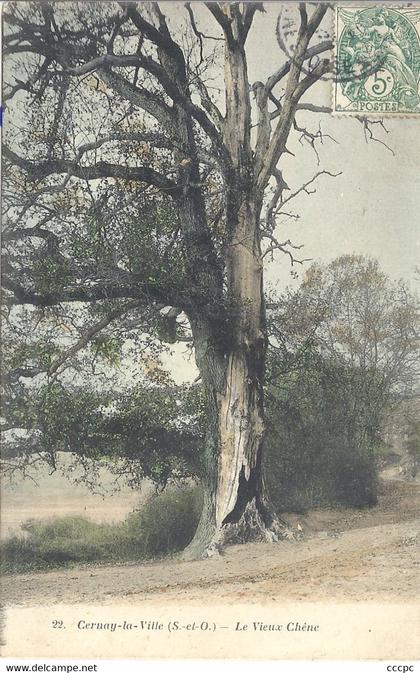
(377, 60)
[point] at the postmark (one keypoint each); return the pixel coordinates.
(377, 54)
(287, 33)
(321, 44)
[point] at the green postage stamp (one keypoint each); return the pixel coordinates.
(377, 60)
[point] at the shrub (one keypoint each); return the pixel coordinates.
(168, 522)
(321, 439)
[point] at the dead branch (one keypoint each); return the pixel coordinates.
(312, 138)
(286, 247)
(305, 188)
(368, 131)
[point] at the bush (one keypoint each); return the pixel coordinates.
(324, 472)
(168, 522)
(321, 439)
(165, 525)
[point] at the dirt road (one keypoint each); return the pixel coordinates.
(344, 555)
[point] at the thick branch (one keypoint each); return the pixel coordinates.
(248, 16)
(102, 169)
(294, 91)
(317, 49)
(208, 104)
(321, 69)
(161, 38)
(22, 295)
(222, 19)
(140, 97)
(89, 334)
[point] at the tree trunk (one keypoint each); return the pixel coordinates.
(236, 504)
(232, 364)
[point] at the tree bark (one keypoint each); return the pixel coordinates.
(232, 365)
(236, 504)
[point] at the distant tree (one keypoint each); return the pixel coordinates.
(412, 446)
(344, 353)
(357, 316)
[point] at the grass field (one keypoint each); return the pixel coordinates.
(47, 495)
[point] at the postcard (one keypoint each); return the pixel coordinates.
(210, 260)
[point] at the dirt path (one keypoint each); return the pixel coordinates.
(345, 555)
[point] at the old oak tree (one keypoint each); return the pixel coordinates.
(143, 183)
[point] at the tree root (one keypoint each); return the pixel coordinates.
(256, 524)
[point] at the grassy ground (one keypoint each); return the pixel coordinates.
(164, 525)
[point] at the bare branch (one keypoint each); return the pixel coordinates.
(305, 187)
(295, 89)
(310, 107)
(312, 138)
(274, 210)
(369, 132)
(197, 32)
(285, 248)
(222, 19)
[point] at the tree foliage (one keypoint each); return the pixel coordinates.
(344, 355)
